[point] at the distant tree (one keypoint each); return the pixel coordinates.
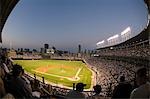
(34, 50)
(89, 51)
(59, 52)
(27, 50)
(95, 52)
(85, 51)
(18, 49)
(21, 50)
(92, 52)
(65, 52)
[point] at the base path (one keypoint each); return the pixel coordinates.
(76, 78)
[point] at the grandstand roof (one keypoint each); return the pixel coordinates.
(141, 37)
(6, 6)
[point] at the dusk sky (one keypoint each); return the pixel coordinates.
(67, 23)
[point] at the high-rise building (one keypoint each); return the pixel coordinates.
(79, 48)
(42, 50)
(46, 46)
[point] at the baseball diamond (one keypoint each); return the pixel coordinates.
(61, 72)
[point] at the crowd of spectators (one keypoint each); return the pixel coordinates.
(113, 79)
(26, 56)
(14, 83)
(108, 72)
(137, 51)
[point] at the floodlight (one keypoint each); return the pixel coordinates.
(128, 29)
(101, 42)
(113, 37)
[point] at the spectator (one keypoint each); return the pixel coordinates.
(26, 79)
(143, 89)
(2, 89)
(17, 86)
(2, 72)
(36, 90)
(122, 90)
(77, 93)
(108, 72)
(97, 90)
(3, 93)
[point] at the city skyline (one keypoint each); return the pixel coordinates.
(66, 24)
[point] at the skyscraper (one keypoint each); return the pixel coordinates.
(46, 46)
(79, 48)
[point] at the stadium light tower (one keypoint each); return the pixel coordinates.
(100, 44)
(126, 34)
(113, 39)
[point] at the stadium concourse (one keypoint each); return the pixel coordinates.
(125, 65)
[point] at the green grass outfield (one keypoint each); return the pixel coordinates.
(58, 71)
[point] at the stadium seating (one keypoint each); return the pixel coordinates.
(113, 61)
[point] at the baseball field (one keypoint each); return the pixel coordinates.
(60, 72)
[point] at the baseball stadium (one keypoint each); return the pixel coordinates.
(118, 67)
